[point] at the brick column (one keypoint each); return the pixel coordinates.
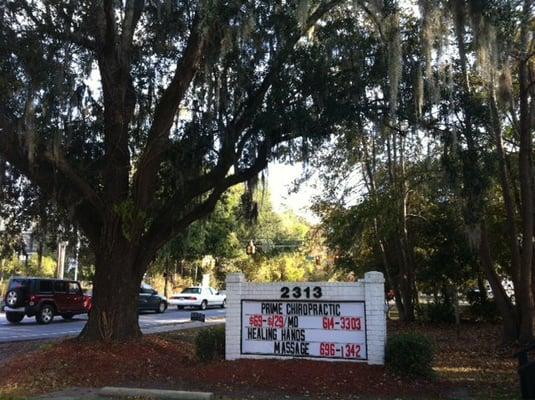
(234, 284)
(374, 295)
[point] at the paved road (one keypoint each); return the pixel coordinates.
(28, 329)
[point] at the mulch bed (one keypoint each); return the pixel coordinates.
(14, 349)
(472, 362)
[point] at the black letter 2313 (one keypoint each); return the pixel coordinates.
(297, 292)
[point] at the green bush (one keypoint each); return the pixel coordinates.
(210, 343)
(440, 313)
(484, 311)
(410, 354)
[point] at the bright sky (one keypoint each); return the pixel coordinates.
(281, 178)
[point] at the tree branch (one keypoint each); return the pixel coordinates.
(119, 96)
(59, 162)
(378, 23)
(167, 225)
(171, 222)
(71, 191)
(149, 163)
(133, 12)
(145, 179)
(106, 27)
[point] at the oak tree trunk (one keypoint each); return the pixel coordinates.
(503, 303)
(118, 276)
(114, 316)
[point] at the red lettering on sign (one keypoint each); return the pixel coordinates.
(328, 323)
(350, 323)
(255, 321)
(327, 349)
(276, 321)
(352, 350)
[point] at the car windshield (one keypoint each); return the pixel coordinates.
(17, 283)
(192, 290)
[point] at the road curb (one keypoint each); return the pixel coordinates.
(155, 393)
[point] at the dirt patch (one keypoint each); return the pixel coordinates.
(468, 364)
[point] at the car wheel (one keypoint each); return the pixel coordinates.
(45, 315)
(67, 316)
(204, 304)
(161, 307)
(224, 304)
(14, 317)
(13, 298)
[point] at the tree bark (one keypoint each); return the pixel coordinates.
(40, 249)
(506, 190)
(405, 243)
(392, 280)
(368, 169)
(166, 278)
(503, 303)
(481, 286)
(526, 186)
(114, 316)
(406, 285)
(474, 197)
(509, 207)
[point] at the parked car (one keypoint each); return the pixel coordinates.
(43, 298)
(148, 300)
(200, 297)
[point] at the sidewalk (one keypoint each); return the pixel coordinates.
(106, 393)
(94, 394)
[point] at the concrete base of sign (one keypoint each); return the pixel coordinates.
(338, 321)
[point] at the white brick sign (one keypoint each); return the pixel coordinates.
(320, 320)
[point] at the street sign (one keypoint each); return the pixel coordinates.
(197, 316)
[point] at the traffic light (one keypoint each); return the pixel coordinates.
(318, 260)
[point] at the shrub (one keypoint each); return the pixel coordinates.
(210, 343)
(410, 354)
(440, 313)
(482, 309)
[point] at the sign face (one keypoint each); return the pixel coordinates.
(304, 328)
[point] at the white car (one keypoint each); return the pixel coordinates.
(198, 296)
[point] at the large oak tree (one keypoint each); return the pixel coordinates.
(135, 116)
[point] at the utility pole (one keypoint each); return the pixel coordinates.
(62, 247)
(2, 262)
(77, 257)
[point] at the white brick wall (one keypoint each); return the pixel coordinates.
(370, 290)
